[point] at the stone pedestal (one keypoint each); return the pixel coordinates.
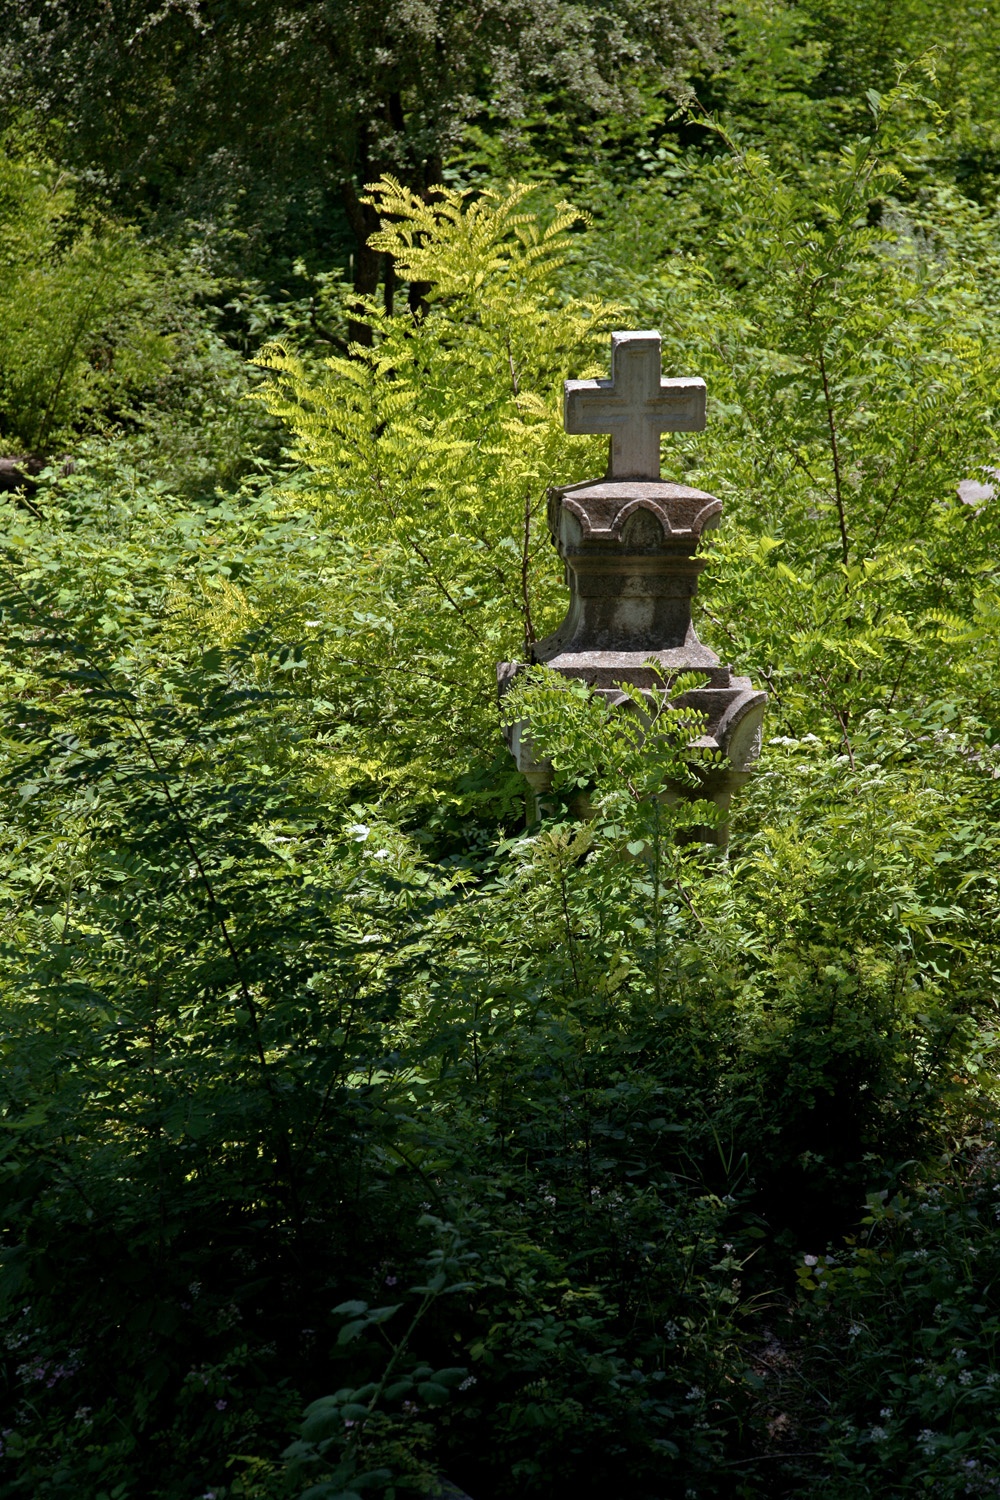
(629, 548)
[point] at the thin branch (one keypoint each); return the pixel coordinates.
(412, 542)
(838, 486)
(529, 628)
(689, 903)
(721, 624)
(840, 718)
(443, 587)
(41, 427)
(905, 468)
(514, 383)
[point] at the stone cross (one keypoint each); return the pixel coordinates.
(634, 406)
(629, 542)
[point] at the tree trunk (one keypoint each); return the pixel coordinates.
(364, 222)
(433, 177)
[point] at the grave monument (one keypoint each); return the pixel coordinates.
(629, 542)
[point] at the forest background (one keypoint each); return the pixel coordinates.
(353, 1135)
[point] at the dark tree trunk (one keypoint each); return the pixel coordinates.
(433, 177)
(364, 222)
(390, 286)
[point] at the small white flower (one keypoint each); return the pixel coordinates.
(358, 832)
(381, 854)
(810, 1260)
(965, 1378)
(854, 1330)
(886, 1413)
(878, 1435)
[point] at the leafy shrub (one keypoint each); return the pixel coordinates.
(899, 1336)
(73, 342)
(282, 976)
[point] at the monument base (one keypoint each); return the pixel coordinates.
(733, 721)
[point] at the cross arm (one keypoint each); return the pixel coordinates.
(594, 406)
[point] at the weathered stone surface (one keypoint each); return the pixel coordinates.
(18, 474)
(448, 1491)
(629, 551)
(629, 543)
(634, 406)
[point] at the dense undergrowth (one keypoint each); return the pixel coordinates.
(339, 1110)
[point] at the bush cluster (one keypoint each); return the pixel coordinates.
(355, 1137)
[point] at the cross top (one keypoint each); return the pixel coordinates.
(634, 406)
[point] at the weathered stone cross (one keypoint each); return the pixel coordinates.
(629, 542)
(634, 406)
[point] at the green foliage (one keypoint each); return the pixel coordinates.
(105, 339)
(370, 1436)
(898, 1331)
(432, 454)
(326, 1089)
(144, 925)
(852, 372)
(72, 340)
(260, 127)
